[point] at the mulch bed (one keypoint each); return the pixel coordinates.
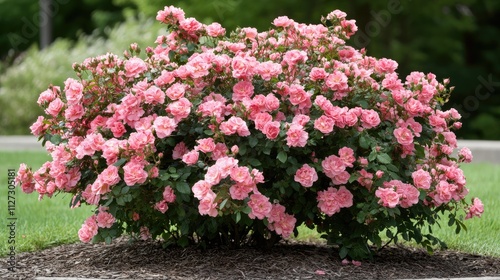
(292, 260)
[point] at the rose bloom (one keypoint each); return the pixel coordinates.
(161, 206)
(134, 67)
(200, 189)
(242, 90)
(261, 119)
(324, 124)
(168, 194)
(388, 197)
(215, 30)
(206, 145)
(272, 130)
(465, 154)
(164, 126)
(332, 166)
(370, 118)
(476, 209)
(403, 135)
(421, 179)
(191, 157)
(296, 136)
(207, 205)
(179, 150)
(306, 176)
(105, 220)
(260, 206)
(54, 107)
(73, 90)
(134, 173)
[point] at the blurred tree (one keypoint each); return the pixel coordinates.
(20, 21)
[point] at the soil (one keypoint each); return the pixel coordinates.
(292, 260)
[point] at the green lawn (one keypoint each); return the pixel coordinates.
(50, 222)
(40, 224)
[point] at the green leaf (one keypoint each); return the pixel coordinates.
(253, 141)
(384, 158)
(125, 190)
(120, 162)
(183, 187)
(223, 203)
(282, 156)
(238, 217)
(208, 132)
(363, 142)
(55, 139)
(120, 201)
(343, 252)
(242, 150)
(254, 162)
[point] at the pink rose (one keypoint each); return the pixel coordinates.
(200, 189)
(73, 90)
(207, 205)
(408, 195)
(370, 118)
(179, 150)
(206, 145)
(168, 194)
(191, 157)
(324, 124)
(46, 97)
(235, 125)
(296, 136)
(317, 74)
(260, 206)
(161, 206)
(332, 166)
(476, 209)
(134, 67)
(215, 30)
(54, 107)
(465, 155)
(306, 176)
(268, 70)
(272, 102)
(341, 178)
(154, 95)
(164, 126)
(105, 220)
(403, 135)
(282, 21)
(38, 127)
(421, 179)
(388, 197)
(261, 119)
(241, 175)
(134, 172)
(74, 112)
(337, 81)
(190, 25)
(180, 109)
(242, 90)
(272, 130)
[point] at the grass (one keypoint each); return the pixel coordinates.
(50, 222)
(40, 224)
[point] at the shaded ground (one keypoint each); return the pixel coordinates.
(147, 260)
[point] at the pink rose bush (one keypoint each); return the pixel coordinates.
(240, 139)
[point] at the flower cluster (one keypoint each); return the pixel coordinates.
(214, 139)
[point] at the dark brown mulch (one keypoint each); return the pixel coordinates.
(147, 260)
